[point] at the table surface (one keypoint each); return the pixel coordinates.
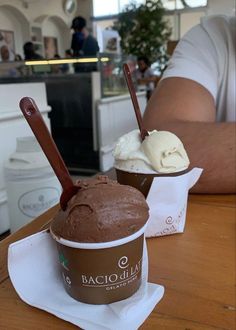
(197, 269)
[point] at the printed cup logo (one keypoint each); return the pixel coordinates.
(126, 275)
(173, 223)
(123, 262)
(169, 220)
(67, 279)
(63, 261)
(34, 202)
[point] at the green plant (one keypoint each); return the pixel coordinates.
(144, 31)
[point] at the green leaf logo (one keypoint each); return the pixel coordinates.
(63, 261)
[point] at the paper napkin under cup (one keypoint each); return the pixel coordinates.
(167, 200)
(34, 272)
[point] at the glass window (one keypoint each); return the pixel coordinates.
(180, 4)
(123, 3)
(113, 7)
(105, 8)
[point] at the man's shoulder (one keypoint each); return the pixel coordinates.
(219, 27)
(37, 56)
(91, 38)
(212, 33)
(91, 41)
(218, 22)
(91, 45)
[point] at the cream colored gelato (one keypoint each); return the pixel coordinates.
(161, 152)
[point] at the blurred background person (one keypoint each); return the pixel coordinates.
(78, 24)
(8, 69)
(144, 76)
(68, 53)
(83, 44)
(29, 51)
(67, 67)
(17, 58)
(56, 68)
(5, 54)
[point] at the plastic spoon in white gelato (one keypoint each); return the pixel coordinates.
(143, 131)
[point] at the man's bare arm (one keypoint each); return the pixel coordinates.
(187, 109)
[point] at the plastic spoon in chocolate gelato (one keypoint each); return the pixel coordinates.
(42, 134)
(143, 131)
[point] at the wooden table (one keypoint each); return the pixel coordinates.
(197, 269)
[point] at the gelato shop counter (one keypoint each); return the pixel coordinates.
(90, 110)
(72, 119)
(71, 100)
(84, 123)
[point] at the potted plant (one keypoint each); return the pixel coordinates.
(144, 31)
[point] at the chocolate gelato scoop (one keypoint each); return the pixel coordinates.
(102, 210)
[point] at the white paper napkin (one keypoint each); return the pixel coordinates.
(34, 271)
(167, 201)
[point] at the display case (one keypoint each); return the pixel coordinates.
(112, 77)
(109, 65)
(90, 110)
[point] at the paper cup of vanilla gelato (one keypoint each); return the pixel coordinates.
(138, 162)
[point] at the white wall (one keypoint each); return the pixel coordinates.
(50, 28)
(183, 21)
(7, 24)
(12, 122)
(12, 19)
(216, 7)
(13, 125)
(188, 20)
(18, 16)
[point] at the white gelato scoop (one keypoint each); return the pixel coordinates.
(161, 152)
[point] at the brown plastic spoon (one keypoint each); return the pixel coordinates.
(143, 131)
(42, 134)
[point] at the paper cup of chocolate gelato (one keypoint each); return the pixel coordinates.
(100, 241)
(138, 162)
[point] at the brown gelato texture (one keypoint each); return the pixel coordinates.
(103, 210)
